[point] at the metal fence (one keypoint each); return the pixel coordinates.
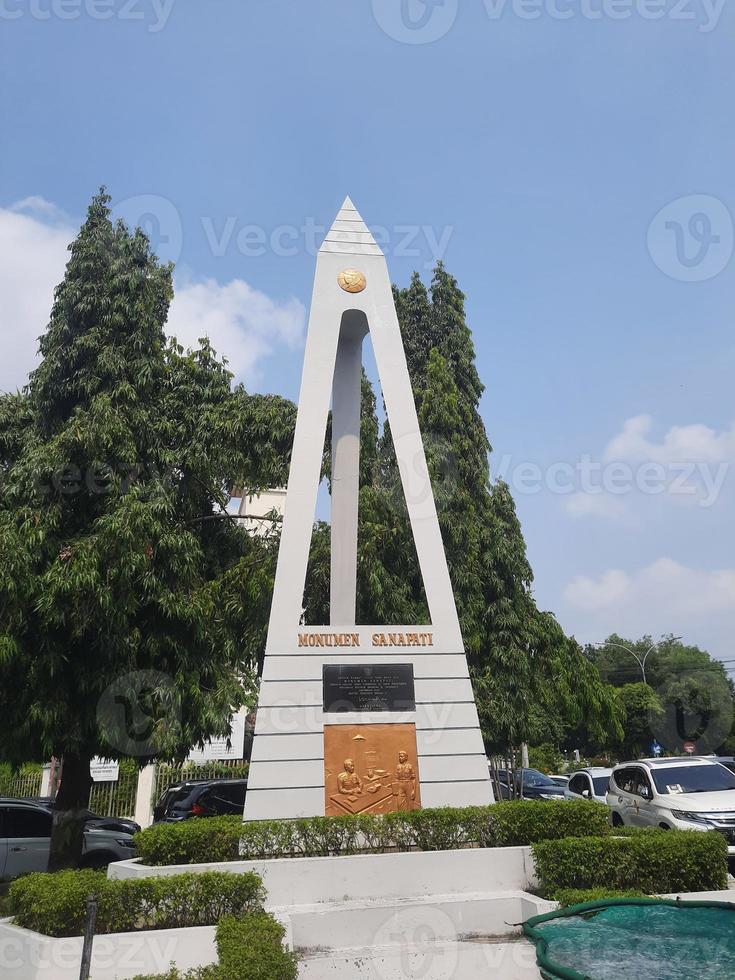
(116, 799)
(25, 782)
(169, 773)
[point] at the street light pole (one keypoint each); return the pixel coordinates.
(641, 661)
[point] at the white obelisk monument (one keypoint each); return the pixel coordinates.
(359, 718)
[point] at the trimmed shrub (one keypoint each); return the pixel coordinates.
(571, 896)
(55, 904)
(211, 839)
(527, 822)
(655, 861)
(217, 839)
(250, 948)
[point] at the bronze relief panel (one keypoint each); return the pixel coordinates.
(370, 769)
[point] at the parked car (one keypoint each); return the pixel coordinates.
(25, 839)
(589, 784)
(93, 821)
(536, 785)
(200, 798)
(679, 794)
(562, 781)
(727, 761)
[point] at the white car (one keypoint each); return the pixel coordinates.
(25, 840)
(589, 784)
(676, 794)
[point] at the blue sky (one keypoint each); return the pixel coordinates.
(574, 172)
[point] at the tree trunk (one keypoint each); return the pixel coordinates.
(70, 810)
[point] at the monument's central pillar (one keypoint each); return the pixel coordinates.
(346, 392)
(359, 719)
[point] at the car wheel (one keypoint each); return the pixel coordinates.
(617, 820)
(664, 826)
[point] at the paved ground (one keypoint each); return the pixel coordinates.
(471, 960)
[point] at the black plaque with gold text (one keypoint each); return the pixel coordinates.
(368, 687)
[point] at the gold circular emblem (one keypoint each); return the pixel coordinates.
(352, 280)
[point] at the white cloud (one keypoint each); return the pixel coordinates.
(665, 584)
(42, 208)
(662, 598)
(595, 505)
(690, 465)
(32, 259)
(681, 444)
(243, 324)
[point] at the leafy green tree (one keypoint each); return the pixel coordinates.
(693, 689)
(522, 664)
(643, 713)
(131, 606)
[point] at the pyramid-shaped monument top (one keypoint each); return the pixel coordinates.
(349, 235)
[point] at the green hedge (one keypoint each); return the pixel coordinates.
(55, 904)
(216, 839)
(656, 862)
(250, 948)
(579, 896)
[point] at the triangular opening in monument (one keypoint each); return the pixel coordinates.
(389, 586)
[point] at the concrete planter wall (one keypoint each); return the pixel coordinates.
(371, 877)
(26, 955)
(369, 900)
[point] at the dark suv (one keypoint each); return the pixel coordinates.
(200, 798)
(536, 785)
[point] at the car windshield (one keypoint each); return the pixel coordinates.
(532, 777)
(176, 795)
(692, 779)
(600, 784)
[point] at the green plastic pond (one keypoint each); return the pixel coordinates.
(636, 939)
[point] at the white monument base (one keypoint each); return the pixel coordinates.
(440, 914)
